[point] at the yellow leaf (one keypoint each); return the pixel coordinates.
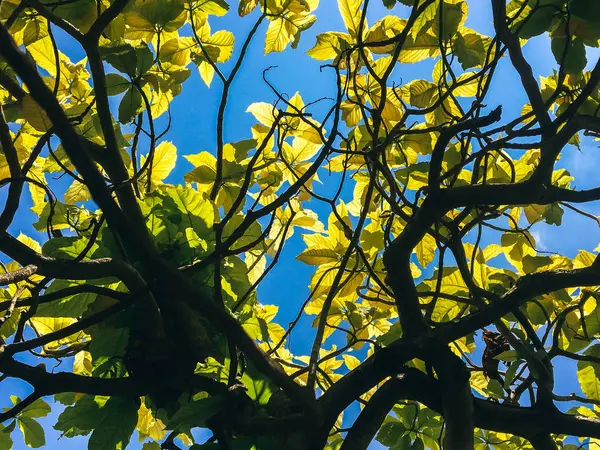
(415, 271)
(351, 11)
(318, 256)
(422, 47)
(177, 51)
(278, 36)
(82, 364)
(479, 382)
(207, 72)
(222, 41)
(47, 325)
(246, 6)
(159, 102)
(31, 243)
(35, 115)
(285, 29)
(421, 143)
(38, 195)
(527, 109)
(256, 265)
(165, 156)
(263, 112)
(445, 310)
(352, 362)
(491, 251)
(35, 30)
(588, 374)
(42, 51)
(583, 259)
(516, 246)
(425, 250)
(149, 426)
(329, 45)
(300, 150)
(388, 27)
(77, 192)
(419, 93)
(466, 88)
(309, 220)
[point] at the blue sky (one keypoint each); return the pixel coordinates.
(192, 131)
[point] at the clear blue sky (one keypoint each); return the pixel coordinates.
(194, 121)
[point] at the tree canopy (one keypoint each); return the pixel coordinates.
(414, 198)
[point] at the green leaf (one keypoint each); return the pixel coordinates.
(5, 439)
(66, 247)
(37, 409)
(586, 9)
(470, 48)
(197, 211)
(454, 14)
(242, 443)
(144, 59)
(571, 51)
(113, 431)
(553, 214)
(151, 446)
(33, 433)
(131, 105)
(195, 414)
(251, 235)
(167, 14)
(391, 432)
(508, 356)
(121, 56)
(258, 388)
(116, 84)
(495, 388)
(538, 22)
(107, 343)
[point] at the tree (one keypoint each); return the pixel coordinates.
(426, 266)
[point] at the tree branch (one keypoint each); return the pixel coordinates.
(389, 360)
(47, 383)
(534, 424)
(520, 64)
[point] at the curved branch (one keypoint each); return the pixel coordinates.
(51, 383)
(535, 424)
(67, 292)
(371, 417)
(389, 360)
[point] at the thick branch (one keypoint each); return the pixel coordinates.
(542, 441)
(47, 383)
(389, 361)
(370, 419)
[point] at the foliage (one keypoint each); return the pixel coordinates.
(421, 237)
